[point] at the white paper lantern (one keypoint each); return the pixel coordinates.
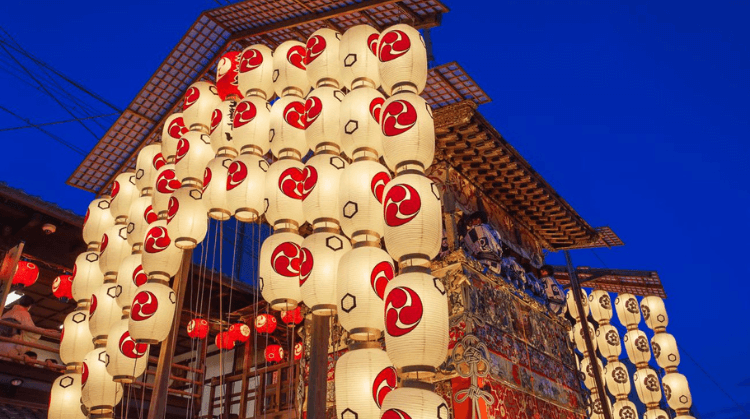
(413, 218)
(666, 353)
(627, 310)
(617, 378)
(152, 313)
(166, 184)
(570, 302)
(362, 277)
(361, 191)
(251, 126)
(360, 132)
(677, 392)
(161, 257)
(222, 137)
(363, 378)
(124, 192)
(579, 339)
(624, 409)
(281, 258)
(595, 409)
(408, 132)
(289, 71)
(416, 322)
(215, 188)
(637, 347)
(403, 60)
(287, 127)
(657, 414)
(140, 216)
(647, 387)
(654, 313)
(414, 403)
(198, 105)
(98, 392)
(601, 306)
(87, 277)
(321, 205)
(187, 222)
(318, 272)
(608, 341)
(147, 164)
(245, 187)
(256, 71)
(174, 128)
(103, 311)
(127, 359)
(65, 398)
(587, 372)
(322, 58)
(98, 220)
(130, 276)
(288, 182)
(76, 340)
(358, 57)
(113, 249)
(322, 112)
(194, 151)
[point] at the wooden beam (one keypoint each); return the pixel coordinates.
(317, 385)
(8, 269)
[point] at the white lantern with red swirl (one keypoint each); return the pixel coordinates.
(601, 306)
(666, 352)
(358, 55)
(274, 354)
(103, 311)
(408, 132)
(26, 274)
(130, 276)
(321, 205)
(194, 151)
(245, 187)
(87, 277)
(414, 403)
(215, 188)
(256, 71)
(265, 323)
(362, 277)
(412, 214)
(361, 190)
(571, 304)
(174, 128)
(322, 58)
(403, 60)
(322, 112)
(113, 249)
(251, 126)
(197, 328)
(198, 106)
(299, 350)
(98, 392)
(97, 221)
(318, 272)
(161, 257)
(280, 260)
(360, 132)
(608, 341)
(147, 164)
(287, 127)
(654, 313)
(292, 317)
(617, 379)
(166, 184)
(288, 182)
(62, 288)
(222, 137)
(289, 71)
(65, 398)
(152, 313)
(127, 359)
(628, 311)
(124, 192)
(239, 332)
(75, 339)
(637, 347)
(363, 379)
(647, 386)
(416, 322)
(677, 392)
(140, 216)
(187, 222)
(227, 76)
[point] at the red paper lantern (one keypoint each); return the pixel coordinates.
(292, 317)
(197, 328)
(239, 332)
(299, 349)
(62, 288)
(265, 323)
(274, 353)
(224, 341)
(26, 274)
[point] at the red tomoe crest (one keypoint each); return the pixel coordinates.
(104, 243)
(236, 175)
(144, 306)
(250, 60)
(139, 276)
(177, 126)
(174, 206)
(296, 56)
(167, 182)
(315, 46)
(182, 149)
(384, 382)
(402, 204)
(380, 276)
(206, 178)
(244, 113)
(92, 306)
(296, 183)
(130, 349)
(398, 117)
(298, 350)
(372, 43)
(191, 97)
(403, 311)
(306, 265)
(159, 161)
(376, 106)
(215, 119)
(313, 108)
(294, 114)
(149, 215)
(377, 185)
(156, 240)
(393, 45)
(56, 284)
(115, 189)
(395, 414)
(84, 374)
(286, 259)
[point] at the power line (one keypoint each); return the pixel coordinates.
(49, 134)
(57, 122)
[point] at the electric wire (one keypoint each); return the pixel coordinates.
(44, 124)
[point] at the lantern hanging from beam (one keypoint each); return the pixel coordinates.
(654, 313)
(322, 251)
(198, 105)
(166, 184)
(197, 328)
(87, 277)
(361, 191)
(174, 129)
(224, 341)
(113, 249)
(251, 125)
(147, 164)
(617, 379)
(103, 311)
(187, 221)
(265, 323)
(256, 71)
(358, 57)
(363, 378)
(26, 274)
(289, 71)
(140, 217)
(321, 204)
(408, 133)
(130, 276)
(322, 58)
(245, 187)
(628, 311)
(287, 127)
(161, 257)
(624, 409)
(239, 332)
(677, 392)
(98, 392)
(75, 340)
(601, 306)
(403, 60)
(215, 188)
(65, 398)
(637, 347)
(274, 354)
(288, 182)
(570, 302)
(666, 352)
(647, 387)
(124, 192)
(194, 151)
(292, 317)
(62, 288)
(280, 261)
(127, 360)
(322, 112)
(608, 341)
(360, 132)
(97, 221)
(152, 313)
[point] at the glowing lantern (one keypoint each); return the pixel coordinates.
(65, 398)
(403, 60)
(288, 182)
(287, 127)
(124, 192)
(197, 328)
(245, 187)
(587, 370)
(608, 341)
(361, 190)
(647, 386)
(624, 409)
(215, 189)
(573, 308)
(26, 274)
(654, 313)
(265, 323)
(414, 403)
(280, 260)
(98, 392)
(147, 164)
(127, 359)
(130, 276)
(227, 73)
(62, 288)
(274, 353)
(194, 151)
(601, 306)
(358, 54)
(224, 341)
(152, 313)
(140, 217)
(251, 125)
(103, 311)
(322, 112)
(677, 392)
(360, 132)
(665, 350)
(75, 340)
(239, 332)
(113, 249)
(617, 379)
(87, 277)
(322, 252)
(321, 204)
(292, 317)
(166, 184)
(256, 71)
(198, 106)
(322, 58)
(161, 257)
(98, 220)
(660, 414)
(289, 75)
(299, 350)
(416, 322)
(174, 129)
(222, 140)
(578, 337)
(408, 132)
(628, 311)
(186, 218)
(364, 377)
(595, 408)
(637, 347)
(413, 218)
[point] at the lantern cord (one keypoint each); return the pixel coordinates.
(256, 299)
(49, 134)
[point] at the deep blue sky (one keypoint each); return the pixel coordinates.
(635, 111)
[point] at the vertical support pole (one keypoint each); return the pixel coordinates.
(229, 386)
(198, 399)
(8, 269)
(245, 384)
(158, 406)
(317, 386)
(591, 353)
(449, 218)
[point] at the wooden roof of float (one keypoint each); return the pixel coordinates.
(641, 283)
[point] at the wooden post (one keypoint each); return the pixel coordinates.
(449, 219)
(8, 269)
(317, 386)
(245, 369)
(158, 406)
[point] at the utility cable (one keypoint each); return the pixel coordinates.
(57, 122)
(53, 136)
